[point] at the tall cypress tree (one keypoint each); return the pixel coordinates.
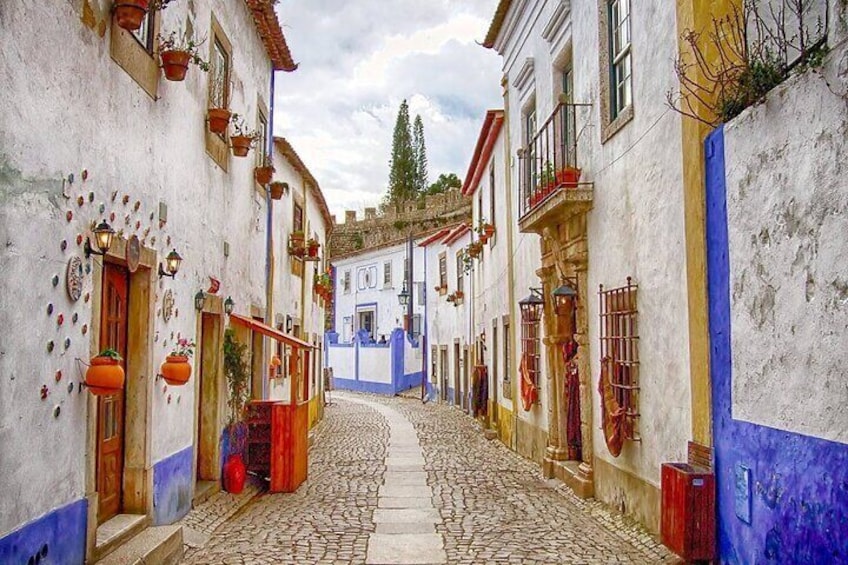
(402, 165)
(420, 151)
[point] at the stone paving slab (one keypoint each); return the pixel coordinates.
(406, 528)
(407, 502)
(405, 549)
(405, 491)
(406, 516)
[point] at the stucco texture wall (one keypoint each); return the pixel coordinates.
(73, 109)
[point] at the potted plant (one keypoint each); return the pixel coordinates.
(130, 13)
(459, 295)
(242, 138)
(312, 247)
(568, 177)
(475, 248)
(178, 50)
(219, 119)
(452, 297)
(237, 372)
(176, 369)
(277, 190)
(264, 173)
(105, 375)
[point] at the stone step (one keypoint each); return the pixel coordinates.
(162, 545)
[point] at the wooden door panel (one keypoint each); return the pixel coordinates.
(110, 409)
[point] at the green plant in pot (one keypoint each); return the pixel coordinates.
(237, 373)
(179, 49)
(105, 375)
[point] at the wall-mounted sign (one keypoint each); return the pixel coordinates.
(73, 278)
(133, 253)
(167, 305)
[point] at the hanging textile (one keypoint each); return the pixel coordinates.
(612, 415)
(573, 433)
(529, 391)
(480, 391)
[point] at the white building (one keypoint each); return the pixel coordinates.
(376, 344)
(93, 132)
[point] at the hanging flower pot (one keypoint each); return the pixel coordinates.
(176, 370)
(489, 230)
(312, 247)
(129, 14)
(484, 238)
(175, 64)
(263, 174)
(105, 375)
(235, 474)
(241, 145)
(219, 119)
(296, 246)
(277, 189)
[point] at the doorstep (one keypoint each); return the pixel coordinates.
(569, 473)
(162, 545)
(115, 531)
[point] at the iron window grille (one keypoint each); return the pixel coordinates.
(531, 351)
(620, 343)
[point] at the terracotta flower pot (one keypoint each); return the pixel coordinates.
(484, 237)
(568, 177)
(312, 249)
(219, 118)
(104, 376)
(130, 13)
(176, 370)
(241, 145)
(489, 230)
(276, 190)
(263, 174)
(234, 474)
(175, 64)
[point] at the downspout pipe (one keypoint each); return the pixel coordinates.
(269, 239)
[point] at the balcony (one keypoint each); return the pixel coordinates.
(550, 185)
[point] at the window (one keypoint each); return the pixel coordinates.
(262, 142)
(620, 350)
(144, 35)
(298, 218)
(492, 199)
(530, 359)
(416, 325)
(459, 271)
(135, 52)
(507, 388)
(346, 282)
(567, 77)
(619, 55)
(494, 360)
(531, 166)
(443, 273)
(365, 321)
(387, 274)
(218, 95)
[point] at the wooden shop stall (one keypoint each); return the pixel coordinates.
(277, 431)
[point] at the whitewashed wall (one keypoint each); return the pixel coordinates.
(73, 109)
(375, 364)
(787, 205)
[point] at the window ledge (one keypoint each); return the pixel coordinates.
(137, 62)
(612, 128)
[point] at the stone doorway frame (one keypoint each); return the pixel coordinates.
(209, 392)
(138, 391)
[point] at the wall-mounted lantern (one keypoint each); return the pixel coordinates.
(532, 306)
(103, 235)
(199, 299)
(172, 265)
(229, 305)
(564, 297)
(403, 296)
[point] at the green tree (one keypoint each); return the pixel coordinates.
(420, 150)
(444, 183)
(402, 166)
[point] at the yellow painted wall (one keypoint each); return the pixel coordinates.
(314, 411)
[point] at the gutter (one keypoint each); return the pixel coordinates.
(269, 238)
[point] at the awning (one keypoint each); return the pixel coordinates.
(258, 326)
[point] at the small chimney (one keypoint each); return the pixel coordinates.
(370, 213)
(350, 216)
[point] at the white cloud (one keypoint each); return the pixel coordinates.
(358, 60)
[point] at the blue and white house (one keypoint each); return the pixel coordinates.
(376, 345)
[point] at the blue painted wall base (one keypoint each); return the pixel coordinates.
(173, 485)
(796, 510)
(57, 537)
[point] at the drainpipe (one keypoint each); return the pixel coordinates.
(269, 238)
(424, 333)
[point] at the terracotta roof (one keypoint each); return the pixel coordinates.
(435, 237)
(483, 151)
(268, 27)
(457, 233)
(497, 23)
(292, 157)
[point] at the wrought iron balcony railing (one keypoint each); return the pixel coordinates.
(548, 163)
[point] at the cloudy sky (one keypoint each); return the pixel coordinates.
(358, 60)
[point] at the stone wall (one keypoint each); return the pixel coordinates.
(393, 224)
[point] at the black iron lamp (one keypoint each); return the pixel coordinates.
(103, 235)
(564, 297)
(403, 296)
(199, 299)
(172, 265)
(532, 306)
(229, 304)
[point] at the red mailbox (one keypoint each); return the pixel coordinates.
(688, 511)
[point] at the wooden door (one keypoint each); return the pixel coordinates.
(110, 409)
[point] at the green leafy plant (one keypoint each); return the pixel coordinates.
(181, 41)
(240, 129)
(111, 354)
(237, 373)
(547, 175)
(183, 348)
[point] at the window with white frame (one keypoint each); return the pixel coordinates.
(459, 271)
(443, 272)
(346, 282)
(387, 274)
(618, 14)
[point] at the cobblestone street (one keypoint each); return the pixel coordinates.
(372, 498)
